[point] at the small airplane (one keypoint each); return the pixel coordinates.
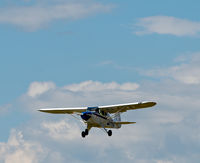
(101, 116)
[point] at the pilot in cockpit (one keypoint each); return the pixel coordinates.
(104, 113)
(101, 112)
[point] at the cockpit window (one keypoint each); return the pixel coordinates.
(92, 108)
(104, 113)
(96, 109)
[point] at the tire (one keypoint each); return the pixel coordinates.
(86, 132)
(83, 134)
(109, 133)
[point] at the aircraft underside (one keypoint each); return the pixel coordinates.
(86, 132)
(99, 121)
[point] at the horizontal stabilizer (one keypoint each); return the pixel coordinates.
(125, 123)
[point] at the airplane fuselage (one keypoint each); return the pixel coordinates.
(95, 119)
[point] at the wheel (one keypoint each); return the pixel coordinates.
(83, 134)
(109, 133)
(86, 132)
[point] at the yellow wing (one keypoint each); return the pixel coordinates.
(109, 108)
(125, 107)
(63, 110)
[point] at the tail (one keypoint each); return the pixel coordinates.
(117, 117)
(118, 122)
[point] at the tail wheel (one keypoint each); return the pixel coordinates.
(109, 133)
(83, 134)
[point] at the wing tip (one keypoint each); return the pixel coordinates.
(40, 110)
(154, 103)
(151, 103)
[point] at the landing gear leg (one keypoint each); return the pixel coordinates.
(109, 132)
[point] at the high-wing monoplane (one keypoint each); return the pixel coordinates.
(101, 116)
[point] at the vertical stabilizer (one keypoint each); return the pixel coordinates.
(117, 117)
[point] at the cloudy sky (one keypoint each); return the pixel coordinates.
(67, 53)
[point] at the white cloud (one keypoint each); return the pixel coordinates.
(168, 117)
(38, 88)
(18, 150)
(62, 130)
(34, 17)
(98, 86)
(164, 133)
(167, 25)
(88, 93)
(186, 72)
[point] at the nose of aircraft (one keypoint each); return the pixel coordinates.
(86, 115)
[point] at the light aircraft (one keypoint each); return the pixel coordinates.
(101, 116)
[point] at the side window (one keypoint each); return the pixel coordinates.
(97, 110)
(104, 113)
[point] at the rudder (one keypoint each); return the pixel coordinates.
(117, 117)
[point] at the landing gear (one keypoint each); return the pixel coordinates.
(109, 132)
(85, 133)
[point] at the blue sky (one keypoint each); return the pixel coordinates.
(75, 47)
(84, 52)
